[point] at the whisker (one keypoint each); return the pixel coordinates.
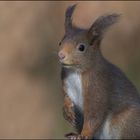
(55, 53)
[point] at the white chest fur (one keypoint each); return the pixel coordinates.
(108, 131)
(74, 88)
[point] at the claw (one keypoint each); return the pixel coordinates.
(74, 136)
(71, 134)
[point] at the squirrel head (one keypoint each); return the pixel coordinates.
(79, 47)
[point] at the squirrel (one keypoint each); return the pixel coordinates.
(99, 100)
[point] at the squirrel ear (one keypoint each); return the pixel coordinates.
(100, 25)
(68, 17)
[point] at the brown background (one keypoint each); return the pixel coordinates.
(30, 87)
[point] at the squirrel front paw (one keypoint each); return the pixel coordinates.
(75, 136)
(69, 115)
(68, 111)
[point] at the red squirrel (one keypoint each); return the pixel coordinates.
(99, 100)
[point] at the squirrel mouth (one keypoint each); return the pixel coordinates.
(67, 65)
(70, 66)
(63, 64)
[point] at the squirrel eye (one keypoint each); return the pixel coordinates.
(81, 47)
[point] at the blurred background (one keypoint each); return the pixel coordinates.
(30, 87)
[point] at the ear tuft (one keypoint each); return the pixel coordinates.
(68, 17)
(101, 24)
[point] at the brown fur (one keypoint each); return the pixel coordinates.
(111, 103)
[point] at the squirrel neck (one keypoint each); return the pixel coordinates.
(97, 63)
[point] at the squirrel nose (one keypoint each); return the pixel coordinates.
(61, 55)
